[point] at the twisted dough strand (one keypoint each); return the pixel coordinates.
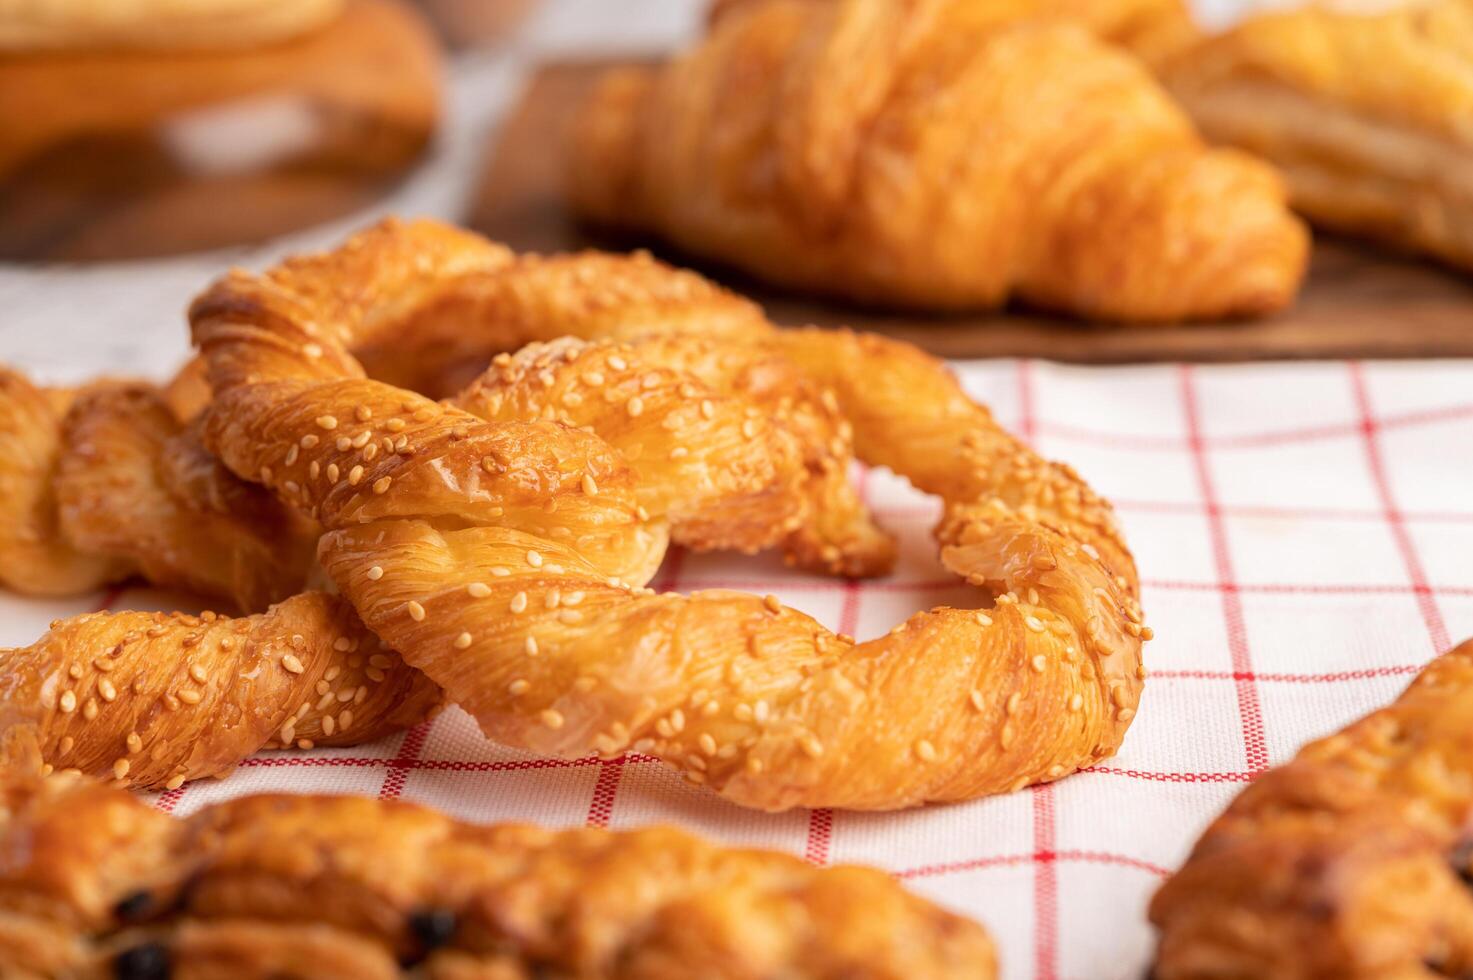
(115, 486)
(479, 550)
(156, 699)
(356, 889)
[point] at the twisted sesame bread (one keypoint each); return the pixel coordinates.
(116, 486)
(154, 699)
(1352, 861)
(499, 556)
(94, 883)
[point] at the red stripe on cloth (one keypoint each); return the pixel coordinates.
(1251, 440)
(1255, 746)
(1369, 427)
(433, 765)
(398, 767)
(1329, 678)
(929, 512)
(1045, 885)
(1175, 777)
(601, 808)
(1009, 860)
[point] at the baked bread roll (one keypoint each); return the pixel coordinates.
(940, 156)
(503, 558)
(1352, 861)
(1365, 111)
(155, 699)
(95, 883)
(127, 143)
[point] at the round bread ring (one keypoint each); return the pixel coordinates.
(450, 552)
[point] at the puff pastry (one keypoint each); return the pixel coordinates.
(1352, 861)
(941, 155)
(155, 699)
(117, 486)
(1365, 112)
(95, 883)
(501, 557)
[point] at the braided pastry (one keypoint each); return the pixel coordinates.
(105, 483)
(94, 883)
(499, 557)
(1352, 861)
(942, 155)
(155, 699)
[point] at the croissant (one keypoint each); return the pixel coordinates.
(95, 883)
(1364, 111)
(154, 699)
(1352, 861)
(115, 485)
(942, 155)
(503, 558)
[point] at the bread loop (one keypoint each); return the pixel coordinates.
(504, 559)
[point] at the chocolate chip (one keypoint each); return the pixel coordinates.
(134, 906)
(150, 961)
(432, 927)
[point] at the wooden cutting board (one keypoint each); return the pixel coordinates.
(1357, 302)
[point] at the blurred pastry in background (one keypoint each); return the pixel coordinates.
(147, 127)
(1368, 114)
(939, 157)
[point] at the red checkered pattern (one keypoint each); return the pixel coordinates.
(1303, 532)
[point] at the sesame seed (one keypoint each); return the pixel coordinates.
(462, 641)
(478, 590)
(175, 781)
(375, 573)
(1039, 663)
(382, 484)
(120, 769)
(332, 472)
(68, 701)
(198, 673)
(518, 602)
(329, 725)
(749, 428)
(552, 719)
(534, 558)
(810, 745)
(415, 610)
(292, 454)
(1147, 633)
(570, 616)
(976, 699)
(618, 363)
(1076, 702)
(1125, 714)
(708, 410)
(593, 379)
(107, 690)
(355, 476)
(760, 712)
(305, 744)
(708, 744)
(89, 710)
(189, 696)
(589, 486)
(926, 751)
(345, 718)
(772, 603)
(327, 422)
(308, 441)
(292, 664)
(518, 687)
(1033, 623)
(344, 444)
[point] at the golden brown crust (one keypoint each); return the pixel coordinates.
(504, 558)
(39, 25)
(1364, 111)
(156, 699)
(940, 155)
(273, 886)
(1350, 862)
(108, 151)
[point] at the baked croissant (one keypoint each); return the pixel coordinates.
(941, 155)
(95, 883)
(106, 483)
(1365, 112)
(1352, 861)
(500, 557)
(154, 699)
